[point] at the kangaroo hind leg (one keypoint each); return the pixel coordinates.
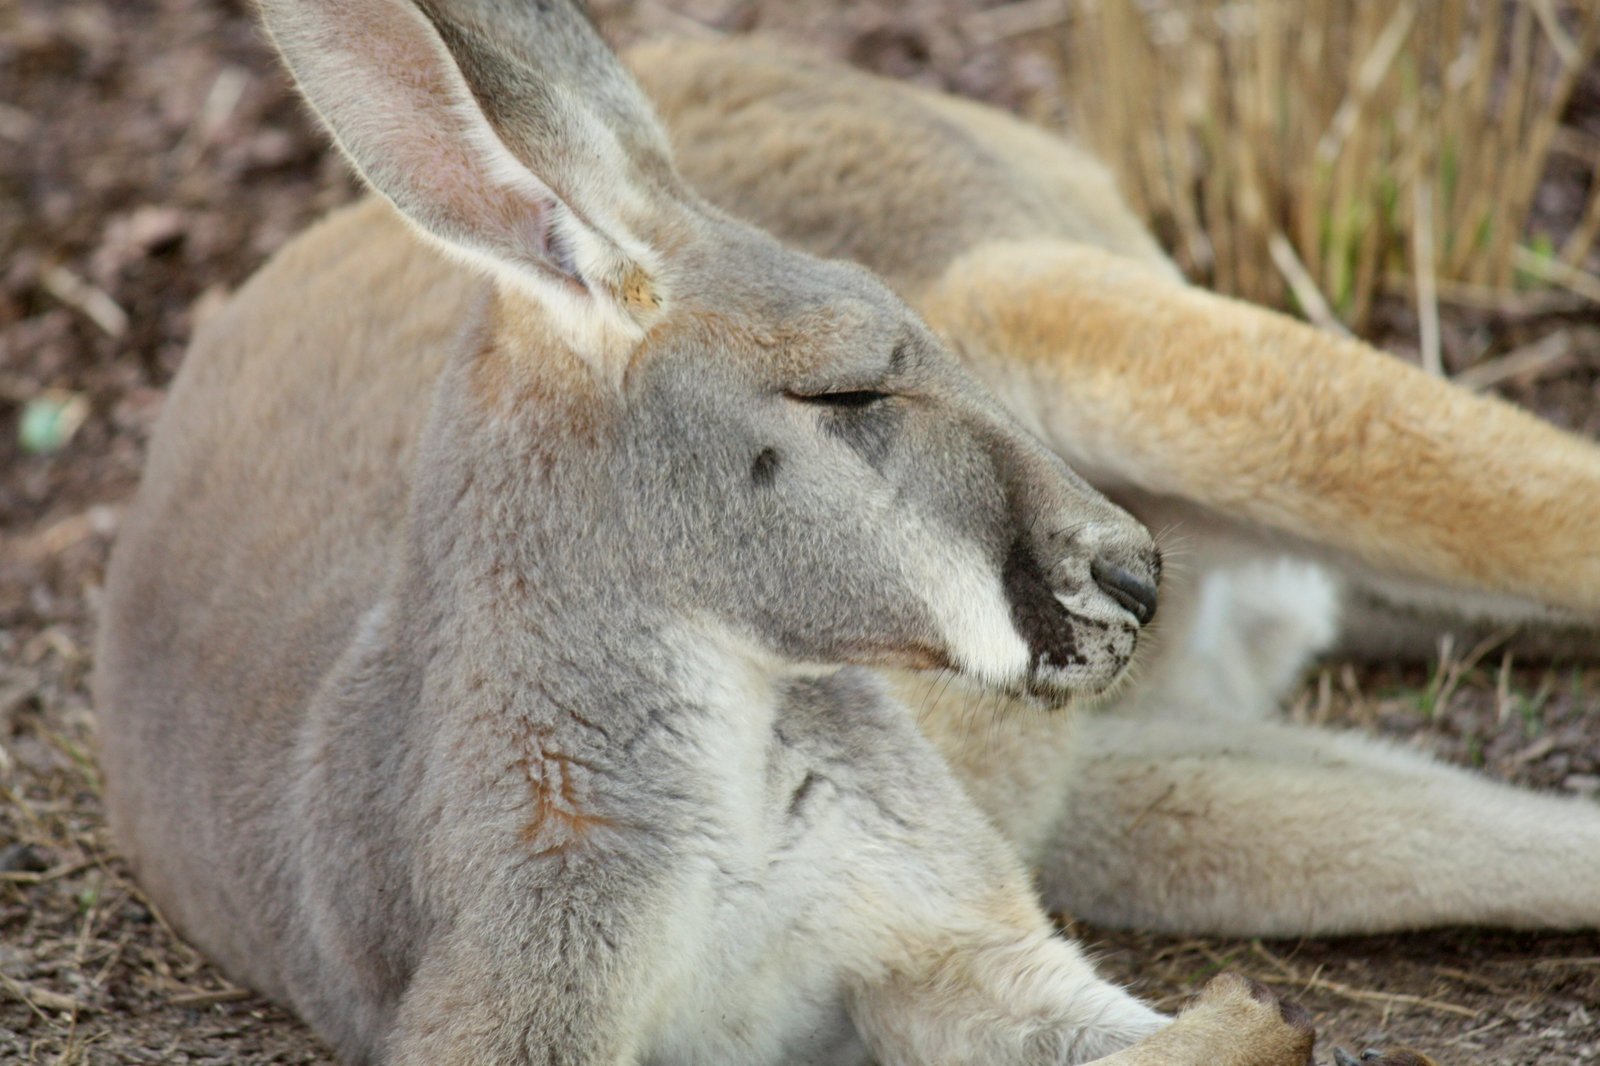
(1269, 829)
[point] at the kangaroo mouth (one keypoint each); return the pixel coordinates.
(1043, 621)
(1070, 653)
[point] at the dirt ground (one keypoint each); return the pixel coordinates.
(151, 155)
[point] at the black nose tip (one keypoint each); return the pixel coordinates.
(1137, 594)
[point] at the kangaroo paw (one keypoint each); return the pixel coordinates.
(1281, 1034)
(1234, 1021)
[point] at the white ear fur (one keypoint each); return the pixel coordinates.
(383, 81)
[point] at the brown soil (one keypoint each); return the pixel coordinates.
(151, 155)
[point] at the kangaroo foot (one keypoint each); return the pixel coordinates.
(1234, 1021)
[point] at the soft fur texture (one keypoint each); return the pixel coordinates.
(490, 668)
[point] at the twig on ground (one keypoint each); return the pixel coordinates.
(1552, 964)
(210, 999)
(40, 544)
(28, 877)
(40, 1000)
(1507, 303)
(1477, 1031)
(1422, 258)
(1288, 975)
(1453, 670)
(1301, 284)
(1474, 979)
(94, 304)
(1557, 272)
(220, 103)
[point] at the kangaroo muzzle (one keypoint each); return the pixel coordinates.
(1081, 574)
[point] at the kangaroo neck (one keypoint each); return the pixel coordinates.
(531, 628)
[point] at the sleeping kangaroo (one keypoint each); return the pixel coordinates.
(497, 663)
(488, 667)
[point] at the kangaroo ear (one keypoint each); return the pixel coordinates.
(507, 132)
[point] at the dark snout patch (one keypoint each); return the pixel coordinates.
(764, 468)
(1035, 611)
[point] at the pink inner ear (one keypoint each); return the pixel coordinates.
(410, 122)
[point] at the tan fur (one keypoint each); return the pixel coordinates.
(1229, 1004)
(186, 475)
(1184, 393)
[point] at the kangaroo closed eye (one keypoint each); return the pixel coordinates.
(852, 399)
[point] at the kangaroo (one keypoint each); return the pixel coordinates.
(1292, 464)
(489, 662)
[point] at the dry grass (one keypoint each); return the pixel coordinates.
(1326, 151)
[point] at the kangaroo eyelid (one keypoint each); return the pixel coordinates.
(855, 398)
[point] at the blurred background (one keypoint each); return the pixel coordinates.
(1421, 173)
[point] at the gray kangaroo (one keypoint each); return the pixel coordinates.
(486, 662)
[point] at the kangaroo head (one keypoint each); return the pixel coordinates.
(669, 408)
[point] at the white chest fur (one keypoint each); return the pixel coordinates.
(755, 953)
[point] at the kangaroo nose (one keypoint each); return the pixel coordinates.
(1135, 593)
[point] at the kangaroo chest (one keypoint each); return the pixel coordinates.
(767, 925)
